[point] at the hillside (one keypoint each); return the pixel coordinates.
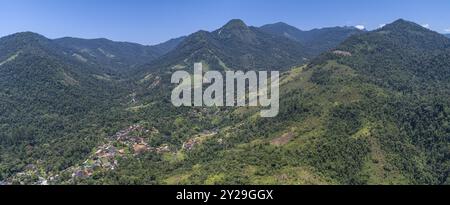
(234, 46)
(118, 56)
(373, 108)
(374, 111)
(52, 106)
(316, 40)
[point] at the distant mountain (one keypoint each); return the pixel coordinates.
(401, 55)
(31, 44)
(234, 46)
(317, 40)
(168, 46)
(118, 56)
(448, 35)
(283, 29)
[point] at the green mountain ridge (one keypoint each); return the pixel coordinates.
(376, 116)
(374, 109)
(317, 40)
(119, 56)
(234, 46)
(48, 98)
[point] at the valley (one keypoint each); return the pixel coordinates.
(366, 107)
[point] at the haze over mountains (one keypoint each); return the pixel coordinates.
(357, 107)
(316, 40)
(235, 46)
(120, 56)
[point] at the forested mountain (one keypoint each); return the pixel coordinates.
(316, 40)
(234, 46)
(373, 109)
(166, 47)
(52, 103)
(402, 56)
(448, 35)
(118, 56)
(283, 29)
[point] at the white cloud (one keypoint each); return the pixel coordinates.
(426, 25)
(381, 25)
(360, 27)
(447, 30)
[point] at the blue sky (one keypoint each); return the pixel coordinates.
(154, 21)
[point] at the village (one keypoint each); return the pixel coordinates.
(129, 142)
(125, 144)
(122, 144)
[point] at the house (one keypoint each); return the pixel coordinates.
(342, 53)
(78, 174)
(163, 149)
(140, 148)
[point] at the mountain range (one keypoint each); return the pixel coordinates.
(316, 40)
(356, 107)
(234, 46)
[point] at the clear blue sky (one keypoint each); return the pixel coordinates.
(154, 21)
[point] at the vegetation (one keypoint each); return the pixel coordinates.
(375, 110)
(317, 40)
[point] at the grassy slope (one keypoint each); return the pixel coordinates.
(309, 155)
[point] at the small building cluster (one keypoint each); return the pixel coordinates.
(342, 53)
(118, 145)
(163, 149)
(31, 175)
(191, 143)
(124, 134)
(128, 142)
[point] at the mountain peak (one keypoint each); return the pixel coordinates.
(25, 39)
(401, 21)
(235, 24)
(280, 26)
(236, 29)
(404, 25)
(27, 35)
(281, 23)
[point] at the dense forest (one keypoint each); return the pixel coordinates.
(372, 108)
